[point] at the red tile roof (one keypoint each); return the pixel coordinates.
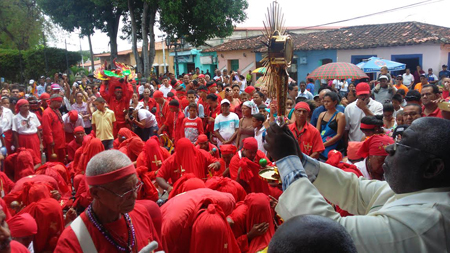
(354, 37)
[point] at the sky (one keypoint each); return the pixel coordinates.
(305, 13)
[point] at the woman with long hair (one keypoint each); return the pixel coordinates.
(331, 123)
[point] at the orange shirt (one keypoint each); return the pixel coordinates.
(418, 87)
(403, 87)
(308, 138)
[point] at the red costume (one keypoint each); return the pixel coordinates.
(123, 134)
(179, 214)
(162, 111)
(186, 183)
(151, 157)
(148, 190)
(249, 177)
(174, 123)
(226, 184)
(132, 147)
(151, 102)
(73, 145)
(118, 106)
(308, 138)
(6, 185)
(20, 164)
(213, 113)
(186, 159)
(59, 172)
(227, 149)
(255, 209)
(22, 225)
(203, 138)
(211, 223)
(49, 218)
(53, 132)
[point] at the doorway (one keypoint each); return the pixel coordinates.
(411, 61)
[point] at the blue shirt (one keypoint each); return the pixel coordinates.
(445, 73)
(310, 87)
(319, 110)
(201, 111)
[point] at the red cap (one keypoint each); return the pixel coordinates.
(158, 94)
(78, 129)
(362, 88)
(44, 96)
(22, 225)
(375, 145)
(202, 138)
(73, 115)
(250, 143)
(228, 149)
(201, 76)
(302, 105)
(249, 89)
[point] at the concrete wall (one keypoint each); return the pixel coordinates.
(433, 55)
(245, 62)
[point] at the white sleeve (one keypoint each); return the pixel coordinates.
(14, 125)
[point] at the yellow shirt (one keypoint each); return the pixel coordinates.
(103, 122)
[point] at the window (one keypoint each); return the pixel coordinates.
(233, 65)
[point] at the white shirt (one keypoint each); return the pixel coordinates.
(383, 222)
(150, 119)
(361, 165)
(308, 95)
(69, 126)
(6, 119)
(243, 84)
(28, 125)
(344, 86)
(337, 84)
(226, 125)
(259, 134)
(353, 116)
(165, 90)
(408, 79)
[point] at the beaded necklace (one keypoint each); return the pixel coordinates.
(131, 233)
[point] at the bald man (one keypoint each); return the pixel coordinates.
(311, 233)
(409, 212)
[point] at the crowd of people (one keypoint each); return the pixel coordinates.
(112, 163)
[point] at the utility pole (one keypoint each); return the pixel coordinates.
(45, 54)
(164, 51)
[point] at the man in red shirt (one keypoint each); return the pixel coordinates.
(119, 102)
(148, 101)
(430, 95)
(114, 222)
(244, 168)
(162, 108)
(75, 143)
(53, 132)
(174, 121)
(192, 126)
(203, 143)
(307, 135)
(211, 112)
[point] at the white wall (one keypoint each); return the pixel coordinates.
(434, 55)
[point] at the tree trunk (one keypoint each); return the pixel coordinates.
(92, 54)
(145, 54)
(113, 27)
(134, 37)
(152, 53)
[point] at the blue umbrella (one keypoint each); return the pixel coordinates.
(374, 64)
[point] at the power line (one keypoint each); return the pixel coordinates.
(380, 12)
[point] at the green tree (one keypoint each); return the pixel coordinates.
(87, 15)
(199, 21)
(21, 24)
